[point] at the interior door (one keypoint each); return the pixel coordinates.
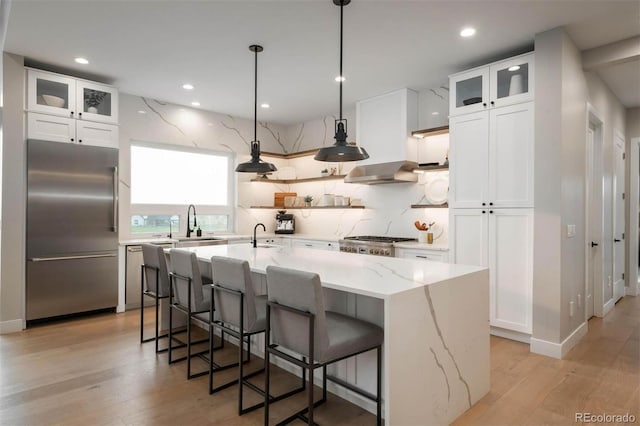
(595, 292)
(618, 219)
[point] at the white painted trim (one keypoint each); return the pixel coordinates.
(608, 306)
(559, 350)
(618, 136)
(11, 326)
(510, 334)
(632, 239)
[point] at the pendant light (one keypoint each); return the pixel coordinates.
(255, 165)
(341, 150)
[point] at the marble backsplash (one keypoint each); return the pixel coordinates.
(388, 207)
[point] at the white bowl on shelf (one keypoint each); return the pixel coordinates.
(53, 101)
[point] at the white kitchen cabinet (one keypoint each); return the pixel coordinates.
(502, 240)
(96, 102)
(469, 160)
(491, 158)
(65, 96)
(62, 129)
(384, 124)
(494, 85)
(316, 244)
(423, 254)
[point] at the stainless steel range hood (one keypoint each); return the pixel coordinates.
(376, 174)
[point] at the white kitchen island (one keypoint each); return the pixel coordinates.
(435, 318)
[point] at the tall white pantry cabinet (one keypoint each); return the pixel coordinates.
(491, 184)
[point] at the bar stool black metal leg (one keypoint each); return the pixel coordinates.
(324, 383)
(188, 346)
(379, 387)
(141, 305)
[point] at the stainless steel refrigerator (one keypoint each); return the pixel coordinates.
(72, 229)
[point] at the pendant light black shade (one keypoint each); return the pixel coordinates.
(255, 165)
(341, 150)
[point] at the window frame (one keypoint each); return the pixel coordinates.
(181, 209)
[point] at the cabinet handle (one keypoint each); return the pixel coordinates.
(483, 212)
(615, 240)
(80, 114)
(484, 104)
(79, 140)
(71, 139)
(421, 257)
(484, 204)
(71, 112)
(493, 103)
(308, 245)
(490, 204)
(491, 211)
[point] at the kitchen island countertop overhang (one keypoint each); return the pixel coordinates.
(435, 318)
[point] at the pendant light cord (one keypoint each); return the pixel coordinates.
(340, 75)
(255, 98)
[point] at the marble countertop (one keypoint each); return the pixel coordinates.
(375, 276)
(422, 246)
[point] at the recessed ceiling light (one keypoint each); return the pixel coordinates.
(468, 32)
(265, 105)
(187, 86)
(514, 68)
(435, 113)
(82, 61)
(195, 103)
(339, 78)
(141, 111)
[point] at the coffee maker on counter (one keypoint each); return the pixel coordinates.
(285, 223)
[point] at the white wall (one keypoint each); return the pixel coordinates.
(13, 196)
(632, 122)
(562, 93)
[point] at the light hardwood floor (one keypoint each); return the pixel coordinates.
(93, 371)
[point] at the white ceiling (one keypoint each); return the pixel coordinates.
(150, 48)
(624, 81)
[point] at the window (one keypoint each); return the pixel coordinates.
(173, 176)
(166, 179)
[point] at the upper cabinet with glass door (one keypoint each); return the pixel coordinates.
(97, 102)
(493, 85)
(56, 94)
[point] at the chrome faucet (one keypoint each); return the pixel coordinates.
(255, 228)
(195, 220)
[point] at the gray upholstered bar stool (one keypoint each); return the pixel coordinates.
(242, 314)
(298, 322)
(189, 296)
(156, 286)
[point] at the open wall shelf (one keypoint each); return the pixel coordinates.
(301, 180)
(307, 208)
(430, 206)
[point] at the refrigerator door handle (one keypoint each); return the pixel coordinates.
(115, 199)
(86, 256)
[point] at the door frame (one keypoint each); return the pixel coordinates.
(618, 135)
(593, 118)
(633, 289)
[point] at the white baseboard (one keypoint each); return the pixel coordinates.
(559, 350)
(608, 307)
(510, 334)
(632, 290)
(12, 326)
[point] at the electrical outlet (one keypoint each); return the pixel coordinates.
(579, 301)
(571, 308)
(571, 231)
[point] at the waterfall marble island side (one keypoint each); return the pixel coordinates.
(435, 318)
